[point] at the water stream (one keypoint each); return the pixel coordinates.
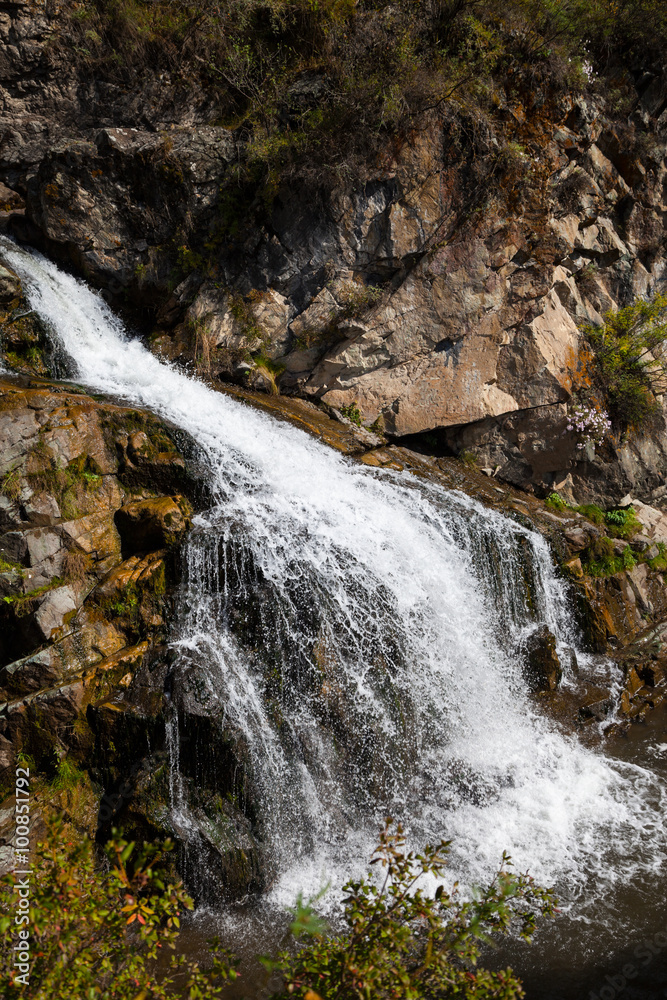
(359, 632)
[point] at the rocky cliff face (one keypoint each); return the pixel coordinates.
(431, 301)
(429, 306)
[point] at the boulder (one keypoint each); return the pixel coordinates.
(10, 285)
(147, 525)
(543, 670)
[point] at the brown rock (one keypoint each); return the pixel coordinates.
(543, 668)
(152, 524)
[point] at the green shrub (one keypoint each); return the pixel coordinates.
(622, 523)
(630, 364)
(67, 776)
(556, 502)
(378, 69)
(397, 940)
(599, 559)
(96, 930)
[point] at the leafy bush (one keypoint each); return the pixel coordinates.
(398, 941)
(599, 559)
(95, 932)
(630, 360)
(556, 502)
(622, 523)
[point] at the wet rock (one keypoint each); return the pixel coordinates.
(10, 285)
(543, 669)
(153, 524)
(598, 709)
(64, 641)
(577, 538)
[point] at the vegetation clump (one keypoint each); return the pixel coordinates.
(630, 364)
(311, 87)
(397, 940)
(600, 558)
(352, 413)
(97, 929)
(620, 522)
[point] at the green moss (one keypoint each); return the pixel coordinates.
(352, 412)
(468, 458)
(20, 602)
(591, 511)
(621, 522)
(67, 484)
(659, 562)
(6, 566)
(599, 559)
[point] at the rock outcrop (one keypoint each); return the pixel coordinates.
(429, 305)
(93, 512)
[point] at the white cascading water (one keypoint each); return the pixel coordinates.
(359, 632)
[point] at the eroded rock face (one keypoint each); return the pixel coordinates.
(89, 559)
(401, 293)
(66, 472)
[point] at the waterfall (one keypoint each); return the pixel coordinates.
(359, 633)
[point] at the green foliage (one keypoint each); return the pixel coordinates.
(630, 360)
(241, 310)
(67, 776)
(623, 522)
(11, 485)
(352, 412)
(399, 941)
(97, 930)
(468, 458)
(319, 85)
(22, 602)
(659, 562)
(556, 502)
(7, 566)
(377, 427)
(68, 484)
(620, 522)
(126, 605)
(591, 511)
(270, 369)
(599, 559)
(188, 260)
(356, 298)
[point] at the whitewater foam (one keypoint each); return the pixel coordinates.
(376, 665)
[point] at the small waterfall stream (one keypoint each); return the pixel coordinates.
(359, 632)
